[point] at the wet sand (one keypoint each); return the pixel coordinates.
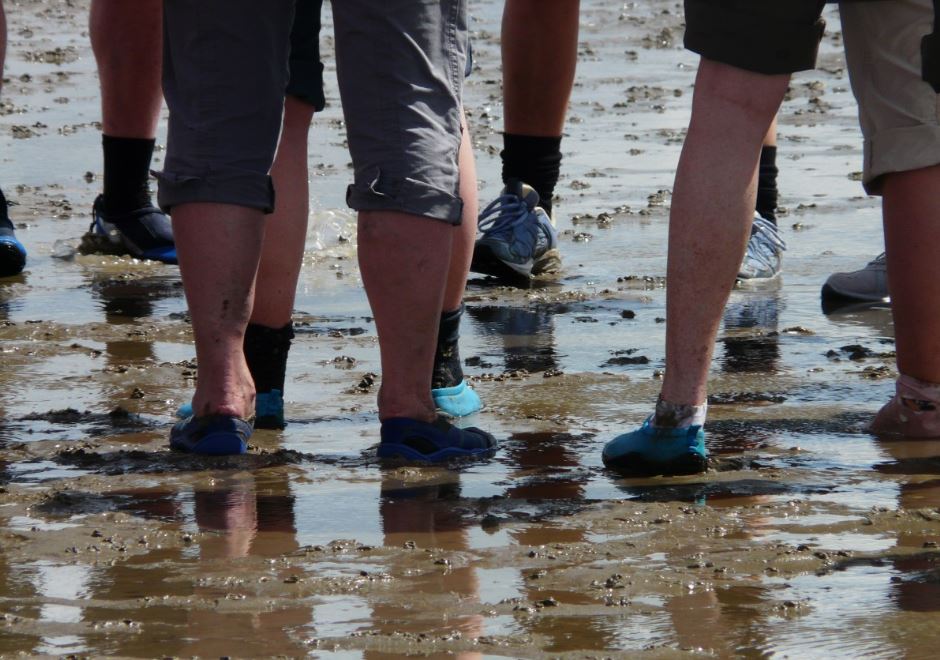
(807, 538)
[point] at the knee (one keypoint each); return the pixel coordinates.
(740, 91)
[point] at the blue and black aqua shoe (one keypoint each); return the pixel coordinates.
(651, 451)
(211, 435)
(145, 233)
(12, 252)
(435, 442)
(269, 410)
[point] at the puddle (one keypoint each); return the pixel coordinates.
(804, 527)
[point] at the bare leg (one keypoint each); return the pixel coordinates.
(219, 285)
(911, 208)
(712, 207)
(465, 234)
(540, 52)
(770, 137)
(127, 39)
(405, 286)
(285, 230)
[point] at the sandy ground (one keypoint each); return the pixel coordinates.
(807, 538)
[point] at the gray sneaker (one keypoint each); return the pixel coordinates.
(517, 238)
(869, 284)
(764, 253)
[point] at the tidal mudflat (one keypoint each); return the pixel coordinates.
(808, 537)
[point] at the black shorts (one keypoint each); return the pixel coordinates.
(306, 69)
(763, 36)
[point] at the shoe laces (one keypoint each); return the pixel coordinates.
(879, 262)
(503, 215)
(765, 242)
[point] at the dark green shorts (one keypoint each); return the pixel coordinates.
(763, 36)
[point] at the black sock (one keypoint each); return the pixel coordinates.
(126, 173)
(447, 369)
(767, 184)
(266, 353)
(534, 160)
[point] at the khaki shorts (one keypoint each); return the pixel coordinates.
(898, 111)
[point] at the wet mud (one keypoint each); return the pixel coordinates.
(807, 537)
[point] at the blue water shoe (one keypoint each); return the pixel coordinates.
(652, 450)
(457, 401)
(269, 410)
(439, 441)
(211, 435)
(145, 233)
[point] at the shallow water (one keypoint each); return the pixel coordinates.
(807, 538)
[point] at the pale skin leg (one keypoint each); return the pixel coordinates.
(540, 52)
(405, 287)
(127, 40)
(770, 138)
(465, 234)
(285, 230)
(712, 208)
(407, 305)
(911, 207)
(219, 285)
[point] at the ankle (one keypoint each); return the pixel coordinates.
(226, 390)
(266, 351)
(229, 406)
(914, 391)
(679, 415)
(410, 408)
(448, 371)
(126, 173)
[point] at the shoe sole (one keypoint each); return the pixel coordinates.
(550, 262)
(748, 283)
(123, 245)
(636, 465)
(12, 259)
(215, 444)
(830, 293)
(486, 263)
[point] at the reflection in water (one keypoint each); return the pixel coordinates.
(126, 300)
(736, 493)
(873, 315)
(430, 514)
(239, 518)
(527, 335)
(750, 340)
(425, 514)
(729, 621)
